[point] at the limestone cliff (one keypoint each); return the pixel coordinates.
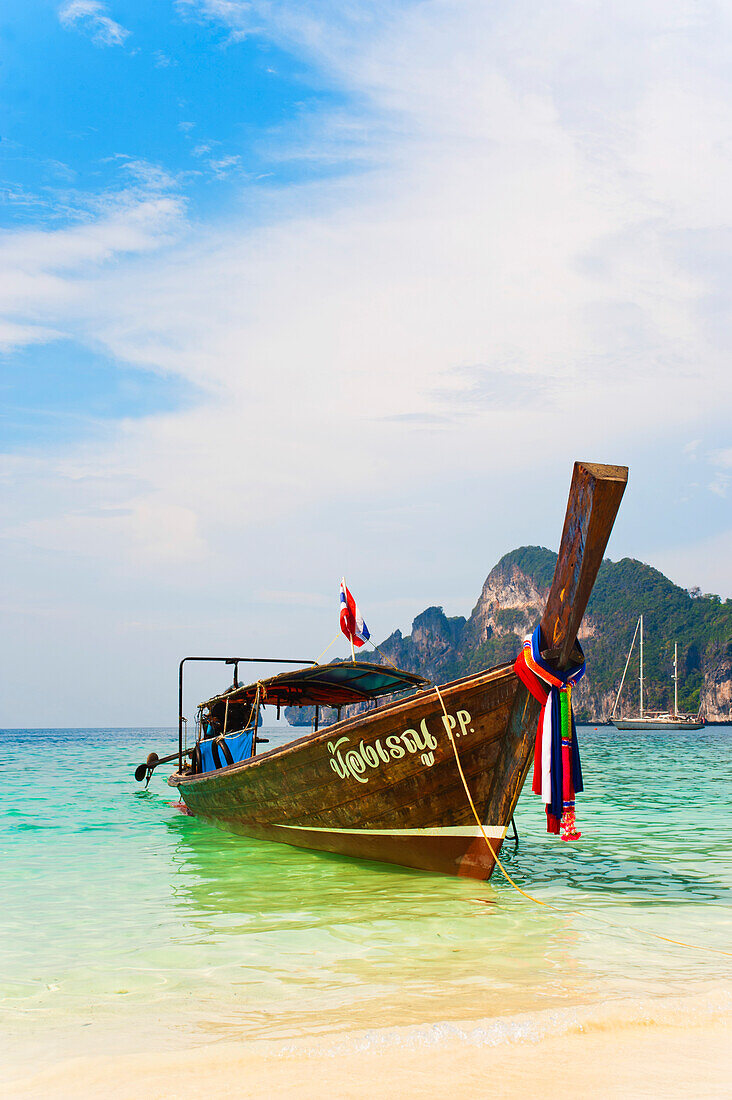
(511, 603)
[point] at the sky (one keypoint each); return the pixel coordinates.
(291, 291)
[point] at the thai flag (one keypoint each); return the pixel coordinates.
(352, 623)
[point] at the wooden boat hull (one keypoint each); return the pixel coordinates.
(383, 786)
(447, 850)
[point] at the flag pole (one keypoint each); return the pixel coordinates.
(347, 630)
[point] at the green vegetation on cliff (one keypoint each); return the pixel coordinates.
(443, 648)
(700, 624)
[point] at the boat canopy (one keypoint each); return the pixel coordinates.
(332, 685)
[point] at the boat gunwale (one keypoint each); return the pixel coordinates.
(504, 670)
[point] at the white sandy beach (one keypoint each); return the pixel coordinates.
(637, 1062)
(676, 1048)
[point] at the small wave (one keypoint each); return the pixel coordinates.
(533, 1027)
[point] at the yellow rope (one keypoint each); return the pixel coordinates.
(538, 901)
(373, 644)
(383, 655)
(328, 647)
(253, 719)
(475, 812)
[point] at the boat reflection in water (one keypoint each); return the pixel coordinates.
(287, 943)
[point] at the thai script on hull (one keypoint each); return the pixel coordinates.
(355, 761)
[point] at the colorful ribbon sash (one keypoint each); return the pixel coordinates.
(557, 769)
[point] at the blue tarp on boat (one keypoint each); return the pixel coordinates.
(214, 752)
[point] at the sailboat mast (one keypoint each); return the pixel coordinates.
(625, 671)
(676, 678)
(641, 666)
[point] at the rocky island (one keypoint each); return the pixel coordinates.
(511, 603)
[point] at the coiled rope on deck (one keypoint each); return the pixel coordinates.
(538, 901)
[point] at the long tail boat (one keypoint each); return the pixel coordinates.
(385, 784)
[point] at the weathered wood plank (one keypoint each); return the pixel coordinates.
(594, 499)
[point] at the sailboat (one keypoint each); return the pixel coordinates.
(653, 720)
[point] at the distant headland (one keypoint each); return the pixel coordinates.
(511, 603)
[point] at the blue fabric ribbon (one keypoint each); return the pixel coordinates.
(569, 676)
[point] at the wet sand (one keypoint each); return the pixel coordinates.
(600, 1057)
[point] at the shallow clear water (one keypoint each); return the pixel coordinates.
(128, 925)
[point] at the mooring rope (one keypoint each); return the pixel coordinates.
(476, 815)
(538, 901)
(335, 639)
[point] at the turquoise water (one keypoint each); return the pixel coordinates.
(128, 925)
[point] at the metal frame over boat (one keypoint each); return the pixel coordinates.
(385, 784)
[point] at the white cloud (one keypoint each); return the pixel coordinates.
(90, 17)
(528, 267)
(42, 271)
(719, 484)
(152, 532)
(488, 231)
(722, 457)
(721, 461)
(13, 335)
(223, 167)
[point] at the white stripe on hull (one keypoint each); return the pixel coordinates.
(496, 831)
